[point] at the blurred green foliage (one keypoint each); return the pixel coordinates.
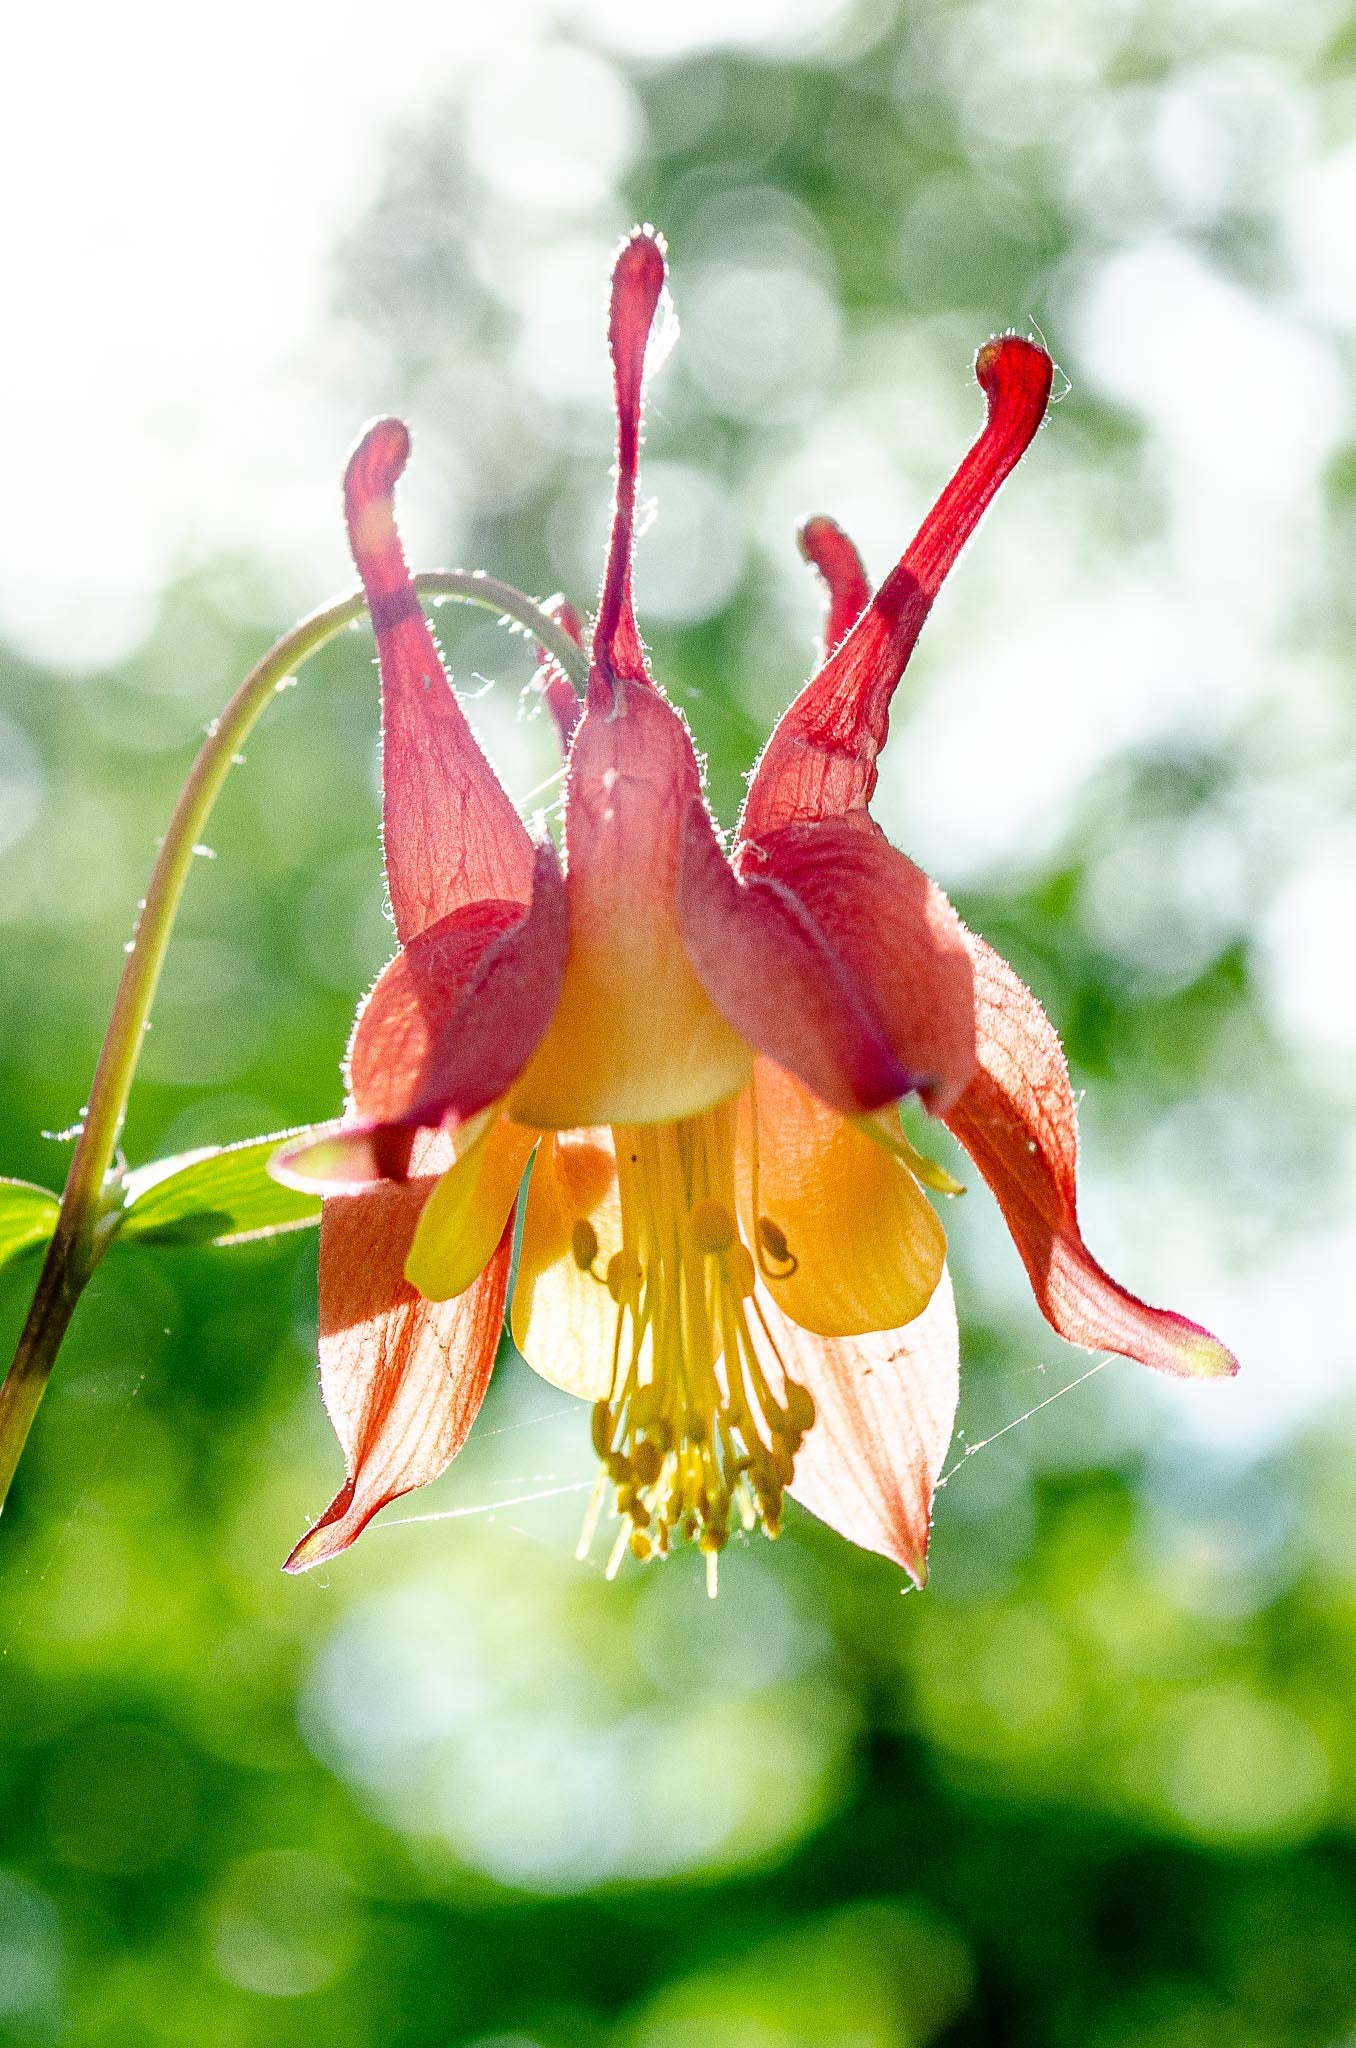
(1098, 1785)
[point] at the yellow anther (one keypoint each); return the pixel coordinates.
(624, 1278)
(647, 1462)
(703, 1422)
(584, 1244)
(711, 1228)
(800, 1409)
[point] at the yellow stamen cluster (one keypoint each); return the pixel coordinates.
(694, 1432)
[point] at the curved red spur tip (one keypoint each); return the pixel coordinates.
(558, 692)
(827, 549)
(637, 284)
(820, 761)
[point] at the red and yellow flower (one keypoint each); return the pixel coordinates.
(695, 1055)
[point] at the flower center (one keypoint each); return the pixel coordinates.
(703, 1422)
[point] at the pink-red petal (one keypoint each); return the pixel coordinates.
(821, 759)
(827, 548)
(403, 1378)
(885, 1407)
(835, 956)
(1017, 1121)
(774, 973)
(459, 1012)
(447, 1030)
(451, 832)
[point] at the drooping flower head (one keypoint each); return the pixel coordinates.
(683, 1063)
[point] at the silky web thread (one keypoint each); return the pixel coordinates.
(489, 1509)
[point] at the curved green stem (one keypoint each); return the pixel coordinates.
(90, 1195)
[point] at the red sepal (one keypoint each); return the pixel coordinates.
(835, 956)
(1017, 1121)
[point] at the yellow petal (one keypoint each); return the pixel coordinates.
(864, 1246)
(564, 1320)
(464, 1217)
(884, 1128)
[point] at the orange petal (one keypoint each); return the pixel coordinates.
(635, 1038)
(403, 1378)
(838, 958)
(821, 760)
(450, 830)
(867, 1245)
(823, 543)
(884, 1410)
(1017, 1121)
(466, 1214)
(563, 1319)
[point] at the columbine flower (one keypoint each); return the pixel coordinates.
(724, 1242)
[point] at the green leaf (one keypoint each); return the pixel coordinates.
(28, 1217)
(222, 1195)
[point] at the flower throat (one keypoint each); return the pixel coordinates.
(703, 1423)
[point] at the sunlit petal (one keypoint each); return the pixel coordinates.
(885, 1406)
(403, 1378)
(864, 1247)
(564, 1320)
